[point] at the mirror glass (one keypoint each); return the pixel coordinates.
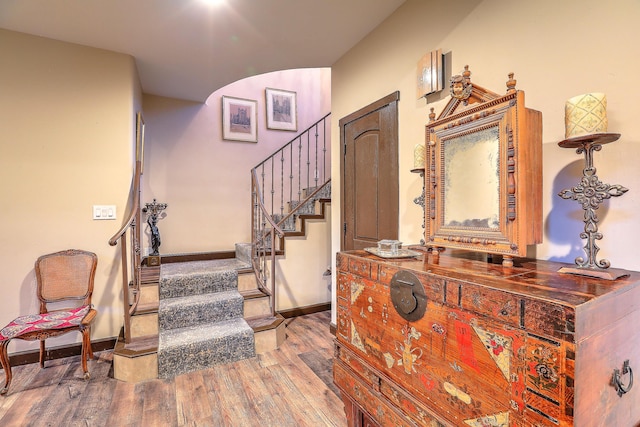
(472, 180)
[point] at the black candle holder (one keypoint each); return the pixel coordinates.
(590, 193)
(420, 200)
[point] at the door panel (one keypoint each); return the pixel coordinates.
(369, 168)
(366, 187)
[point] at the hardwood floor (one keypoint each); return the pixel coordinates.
(291, 386)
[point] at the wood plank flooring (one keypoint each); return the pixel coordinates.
(291, 386)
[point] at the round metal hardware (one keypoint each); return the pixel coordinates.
(408, 295)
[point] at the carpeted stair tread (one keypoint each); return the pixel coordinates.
(307, 208)
(288, 225)
(204, 345)
(206, 266)
(199, 277)
(199, 308)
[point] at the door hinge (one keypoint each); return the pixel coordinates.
(344, 228)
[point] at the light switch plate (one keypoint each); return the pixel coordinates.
(101, 212)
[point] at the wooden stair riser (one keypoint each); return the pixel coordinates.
(149, 293)
(144, 325)
(135, 369)
(270, 339)
(257, 307)
(247, 282)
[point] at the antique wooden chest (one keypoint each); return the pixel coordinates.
(458, 340)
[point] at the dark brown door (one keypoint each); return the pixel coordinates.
(369, 169)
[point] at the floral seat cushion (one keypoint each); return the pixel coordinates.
(52, 320)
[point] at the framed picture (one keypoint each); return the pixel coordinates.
(239, 119)
(140, 141)
(282, 113)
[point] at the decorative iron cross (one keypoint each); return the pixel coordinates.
(590, 193)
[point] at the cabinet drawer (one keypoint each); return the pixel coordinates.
(496, 305)
(374, 404)
(384, 388)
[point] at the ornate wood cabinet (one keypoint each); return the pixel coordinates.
(458, 340)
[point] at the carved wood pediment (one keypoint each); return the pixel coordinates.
(464, 94)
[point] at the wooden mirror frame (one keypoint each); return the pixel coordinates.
(471, 111)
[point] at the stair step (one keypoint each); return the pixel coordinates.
(148, 293)
(269, 332)
(257, 306)
(190, 310)
(308, 207)
(262, 323)
(252, 294)
(147, 308)
(144, 324)
(137, 347)
(199, 277)
(289, 224)
(202, 346)
(243, 252)
(247, 281)
(324, 193)
(149, 274)
(136, 361)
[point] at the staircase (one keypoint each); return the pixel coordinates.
(186, 316)
(200, 317)
(195, 315)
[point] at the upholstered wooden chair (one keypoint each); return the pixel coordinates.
(65, 279)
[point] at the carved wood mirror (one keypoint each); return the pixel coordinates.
(483, 174)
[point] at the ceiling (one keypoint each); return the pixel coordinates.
(187, 49)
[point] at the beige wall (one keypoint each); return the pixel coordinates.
(67, 120)
(556, 50)
(300, 276)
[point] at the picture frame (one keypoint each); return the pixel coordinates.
(239, 119)
(282, 109)
(140, 140)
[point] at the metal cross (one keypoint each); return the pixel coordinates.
(590, 193)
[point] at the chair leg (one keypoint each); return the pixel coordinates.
(90, 350)
(86, 348)
(42, 353)
(4, 359)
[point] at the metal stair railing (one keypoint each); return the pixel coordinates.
(296, 172)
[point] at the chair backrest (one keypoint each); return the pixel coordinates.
(65, 275)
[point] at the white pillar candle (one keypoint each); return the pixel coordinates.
(585, 114)
(419, 153)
